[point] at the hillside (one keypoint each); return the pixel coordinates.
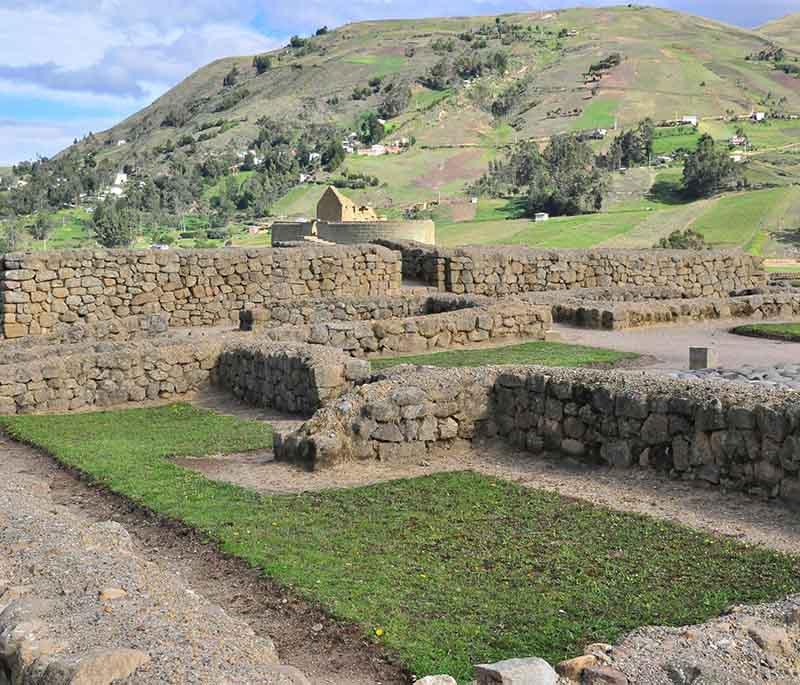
(564, 71)
(785, 31)
(672, 64)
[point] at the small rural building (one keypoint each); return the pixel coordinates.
(334, 207)
(691, 120)
(759, 116)
(541, 216)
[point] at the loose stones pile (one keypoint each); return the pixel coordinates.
(782, 377)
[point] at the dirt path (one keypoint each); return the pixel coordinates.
(670, 344)
(328, 653)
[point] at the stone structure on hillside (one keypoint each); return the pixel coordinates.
(342, 221)
(334, 207)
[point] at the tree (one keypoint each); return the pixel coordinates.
(42, 227)
(333, 156)
(565, 179)
(113, 224)
(395, 101)
(370, 129)
(632, 148)
(231, 77)
(708, 169)
(438, 77)
(683, 240)
(262, 63)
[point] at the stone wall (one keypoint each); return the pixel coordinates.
(38, 291)
(105, 374)
(354, 232)
(499, 271)
(511, 320)
(408, 303)
(619, 316)
(421, 262)
(294, 378)
(721, 434)
(503, 271)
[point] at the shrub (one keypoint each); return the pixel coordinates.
(262, 63)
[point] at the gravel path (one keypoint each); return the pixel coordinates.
(670, 345)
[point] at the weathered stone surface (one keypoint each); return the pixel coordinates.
(532, 671)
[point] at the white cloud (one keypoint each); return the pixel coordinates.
(26, 139)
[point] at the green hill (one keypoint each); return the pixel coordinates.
(673, 64)
(647, 63)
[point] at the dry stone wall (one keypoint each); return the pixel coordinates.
(740, 437)
(507, 321)
(294, 378)
(39, 291)
(104, 374)
(300, 312)
(499, 271)
(619, 316)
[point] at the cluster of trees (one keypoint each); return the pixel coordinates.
(709, 169)
(466, 65)
(632, 148)
(565, 179)
(51, 184)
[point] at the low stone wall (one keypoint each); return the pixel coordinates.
(507, 321)
(354, 232)
(498, 271)
(299, 312)
(39, 291)
(613, 316)
(503, 271)
(722, 434)
(294, 378)
(105, 374)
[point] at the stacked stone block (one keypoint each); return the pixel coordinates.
(740, 437)
(504, 322)
(194, 287)
(293, 378)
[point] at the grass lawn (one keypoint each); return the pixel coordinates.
(737, 218)
(600, 113)
(542, 353)
(789, 332)
(448, 570)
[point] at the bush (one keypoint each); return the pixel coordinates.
(683, 240)
(262, 63)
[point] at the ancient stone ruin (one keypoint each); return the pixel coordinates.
(292, 328)
(341, 221)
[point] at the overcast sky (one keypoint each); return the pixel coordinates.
(71, 66)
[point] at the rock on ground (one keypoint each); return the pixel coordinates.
(749, 644)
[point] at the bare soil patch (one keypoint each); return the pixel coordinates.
(452, 169)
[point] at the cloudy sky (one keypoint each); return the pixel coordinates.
(71, 66)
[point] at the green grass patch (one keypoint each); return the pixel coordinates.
(600, 113)
(667, 145)
(425, 99)
(737, 218)
(539, 353)
(383, 65)
(451, 570)
(789, 332)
